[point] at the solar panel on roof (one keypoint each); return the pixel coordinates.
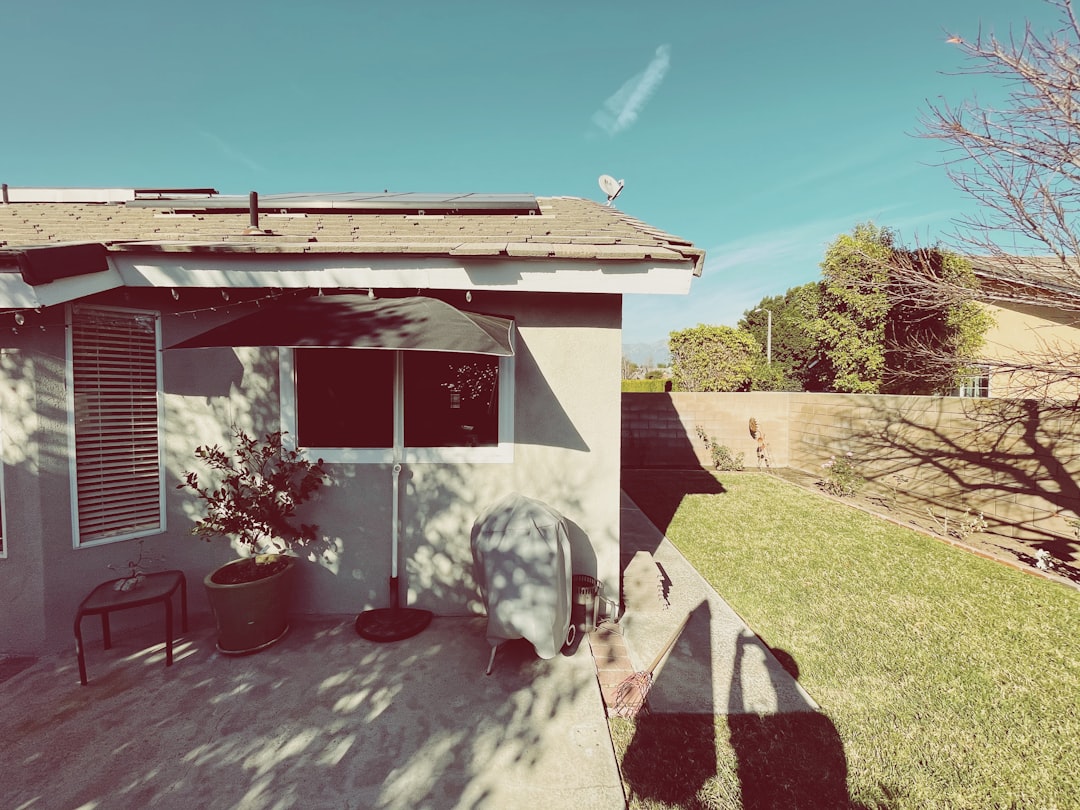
(370, 202)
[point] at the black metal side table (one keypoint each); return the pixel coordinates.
(103, 600)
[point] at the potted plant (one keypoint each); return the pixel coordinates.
(257, 487)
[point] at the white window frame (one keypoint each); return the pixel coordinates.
(76, 529)
(971, 385)
(501, 453)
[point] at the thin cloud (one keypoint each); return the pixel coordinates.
(230, 152)
(776, 251)
(737, 275)
(622, 109)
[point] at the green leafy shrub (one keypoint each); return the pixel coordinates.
(258, 487)
(646, 386)
(712, 358)
(841, 478)
(722, 456)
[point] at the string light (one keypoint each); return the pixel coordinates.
(273, 296)
(20, 317)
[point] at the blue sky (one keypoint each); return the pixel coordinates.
(759, 131)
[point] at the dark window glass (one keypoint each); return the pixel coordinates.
(344, 398)
(451, 400)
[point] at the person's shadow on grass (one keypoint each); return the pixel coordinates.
(672, 755)
(785, 760)
(788, 760)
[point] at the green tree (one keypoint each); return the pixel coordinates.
(713, 358)
(930, 340)
(875, 323)
(772, 377)
(794, 349)
(881, 327)
(850, 327)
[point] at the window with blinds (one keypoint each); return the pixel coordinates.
(3, 505)
(117, 476)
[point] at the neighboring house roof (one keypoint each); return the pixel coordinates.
(435, 232)
(1015, 277)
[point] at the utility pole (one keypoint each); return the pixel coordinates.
(768, 337)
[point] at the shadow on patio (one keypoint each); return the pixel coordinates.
(324, 719)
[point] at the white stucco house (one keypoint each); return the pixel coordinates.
(99, 415)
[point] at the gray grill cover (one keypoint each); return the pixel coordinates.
(521, 557)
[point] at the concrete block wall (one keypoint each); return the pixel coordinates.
(660, 430)
(1015, 462)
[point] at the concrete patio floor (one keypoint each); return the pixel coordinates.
(324, 719)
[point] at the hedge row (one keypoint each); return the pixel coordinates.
(646, 386)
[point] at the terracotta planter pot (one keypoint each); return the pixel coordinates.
(250, 616)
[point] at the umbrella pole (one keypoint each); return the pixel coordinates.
(394, 529)
(393, 623)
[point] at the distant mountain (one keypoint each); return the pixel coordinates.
(647, 353)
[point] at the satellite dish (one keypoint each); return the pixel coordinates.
(610, 186)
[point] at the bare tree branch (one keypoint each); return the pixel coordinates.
(1020, 161)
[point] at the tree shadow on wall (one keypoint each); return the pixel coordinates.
(1002, 451)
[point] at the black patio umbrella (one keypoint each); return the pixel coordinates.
(415, 323)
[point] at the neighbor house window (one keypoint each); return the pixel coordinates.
(358, 404)
(114, 384)
(975, 384)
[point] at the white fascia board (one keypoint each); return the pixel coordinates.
(57, 194)
(331, 272)
(16, 293)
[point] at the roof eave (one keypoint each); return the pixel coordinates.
(401, 271)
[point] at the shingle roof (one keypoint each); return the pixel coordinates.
(1006, 277)
(566, 228)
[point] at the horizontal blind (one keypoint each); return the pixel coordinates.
(117, 448)
(3, 505)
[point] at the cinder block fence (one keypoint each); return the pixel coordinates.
(1016, 462)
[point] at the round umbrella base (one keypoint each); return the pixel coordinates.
(392, 624)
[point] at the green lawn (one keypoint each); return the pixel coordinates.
(946, 680)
